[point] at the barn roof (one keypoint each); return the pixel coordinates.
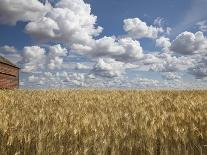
(6, 61)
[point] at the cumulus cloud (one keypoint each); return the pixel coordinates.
(55, 56)
(33, 58)
(125, 49)
(64, 79)
(57, 79)
(55, 63)
(200, 68)
(108, 68)
(147, 62)
(78, 79)
(36, 58)
(188, 43)
(169, 63)
(137, 29)
(72, 79)
(69, 21)
(43, 29)
(11, 53)
(199, 71)
(33, 53)
(163, 43)
(12, 11)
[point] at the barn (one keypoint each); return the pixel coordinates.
(9, 74)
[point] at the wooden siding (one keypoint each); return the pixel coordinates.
(9, 76)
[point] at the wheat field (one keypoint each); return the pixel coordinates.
(103, 122)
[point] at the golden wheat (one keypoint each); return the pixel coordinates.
(55, 122)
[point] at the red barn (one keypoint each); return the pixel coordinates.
(9, 74)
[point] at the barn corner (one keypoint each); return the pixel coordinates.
(9, 74)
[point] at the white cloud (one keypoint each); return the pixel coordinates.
(138, 29)
(33, 53)
(171, 76)
(65, 79)
(199, 71)
(150, 59)
(124, 49)
(36, 58)
(33, 78)
(80, 66)
(47, 79)
(57, 51)
(70, 21)
(43, 29)
(11, 53)
(202, 25)
(169, 63)
(163, 43)
(58, 79)
(12, 11)
(146, 83)
(77, 79)
(168, 30)
(37, 80)
(55, 63)
(55, 56)
(159, 21)
(33, 58)
(8, 49)
(188, 43)
(200, 68)
(108, 68)
(132, 49)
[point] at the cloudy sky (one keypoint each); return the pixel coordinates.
(106, 44)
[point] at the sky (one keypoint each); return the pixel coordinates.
(143, 44)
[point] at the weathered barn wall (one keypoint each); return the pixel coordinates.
(9, 76)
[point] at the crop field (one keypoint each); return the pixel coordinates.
(103, 122)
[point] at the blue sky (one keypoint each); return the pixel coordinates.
(112, 13)
(111, 43)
